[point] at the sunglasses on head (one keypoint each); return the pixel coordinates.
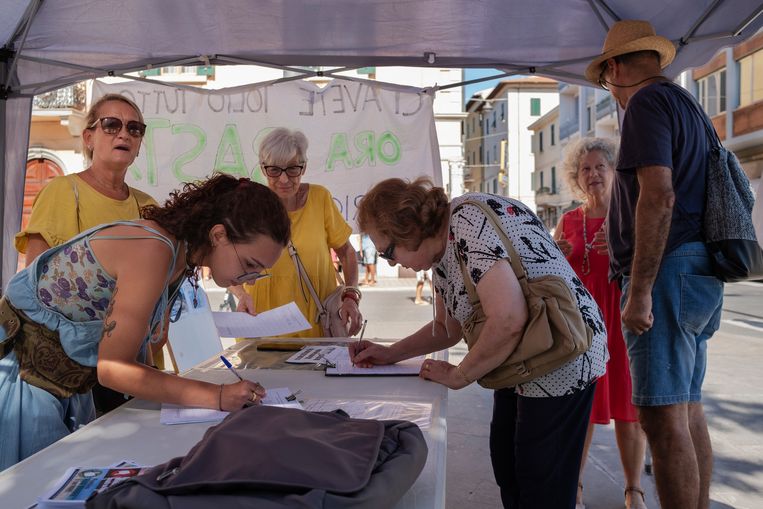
(290, 171)
(389, 253)
(112, 125)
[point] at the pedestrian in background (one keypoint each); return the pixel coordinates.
(589, 168)
(423, 276)
(671, 298)
(370, 257)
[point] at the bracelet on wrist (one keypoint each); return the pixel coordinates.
(352, 293)
(220, 398)
(351, 296)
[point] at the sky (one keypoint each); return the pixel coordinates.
(470, 74)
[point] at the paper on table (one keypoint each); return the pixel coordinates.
(344, 367)
(281, 320)
(174, 414)
(418, 413)
(312, 354)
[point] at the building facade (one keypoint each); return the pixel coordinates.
(506, 163)
(552, 195)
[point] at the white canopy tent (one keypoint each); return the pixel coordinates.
(47, 44)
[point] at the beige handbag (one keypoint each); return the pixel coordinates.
(328, 309)
(555, 332)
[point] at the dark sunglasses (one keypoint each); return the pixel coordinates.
(389, 253)
(290, 171)
(112, 125)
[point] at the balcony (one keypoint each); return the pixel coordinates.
(67, 98)
(605, 107)
(569, 128)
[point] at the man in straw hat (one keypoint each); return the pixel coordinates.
(671, 303)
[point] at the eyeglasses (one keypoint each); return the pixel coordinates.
(602, 80)
(246, 277)
(290, 171)
(112, 125)
(389, 253)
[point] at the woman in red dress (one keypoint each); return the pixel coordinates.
(589, 171)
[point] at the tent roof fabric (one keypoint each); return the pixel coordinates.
(59, 42)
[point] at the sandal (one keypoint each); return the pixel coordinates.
(580, 505)
(633, 489)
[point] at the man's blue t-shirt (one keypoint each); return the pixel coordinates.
(660, 128)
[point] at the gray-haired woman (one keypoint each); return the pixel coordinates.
(316, 226)
(589, 170)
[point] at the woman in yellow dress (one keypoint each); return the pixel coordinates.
(71, 204)
(316, 226)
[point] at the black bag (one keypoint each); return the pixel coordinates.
(727, 228)
(270, 457)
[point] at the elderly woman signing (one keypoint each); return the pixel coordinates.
(538, 429)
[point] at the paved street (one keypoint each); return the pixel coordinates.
(732, 398)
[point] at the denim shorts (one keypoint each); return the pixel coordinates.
(668, 361)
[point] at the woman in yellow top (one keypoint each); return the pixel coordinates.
(316, 226)
(70, 204)
(74, 203)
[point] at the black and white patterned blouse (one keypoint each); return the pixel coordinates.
(480, 247)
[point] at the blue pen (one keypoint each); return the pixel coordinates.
(230, 367)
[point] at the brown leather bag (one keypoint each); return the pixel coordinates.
(555, 332)
(42, 360)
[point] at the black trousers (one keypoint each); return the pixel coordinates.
(536, 445)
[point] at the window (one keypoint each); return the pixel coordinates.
(553, 180)
(712, 93)
(588, 119)
(540, 181)
(553, 135)
(503, 111)
(535, 106)
(540, 141)
(495, 152)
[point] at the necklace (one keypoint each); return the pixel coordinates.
(587, 246)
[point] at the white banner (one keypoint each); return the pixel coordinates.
(359, 132)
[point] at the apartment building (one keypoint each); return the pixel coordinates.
(552, 195)
(506, 164)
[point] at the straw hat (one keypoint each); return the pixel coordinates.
(629, 36)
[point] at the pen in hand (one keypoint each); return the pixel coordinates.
(360, 338)
(230, 367)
